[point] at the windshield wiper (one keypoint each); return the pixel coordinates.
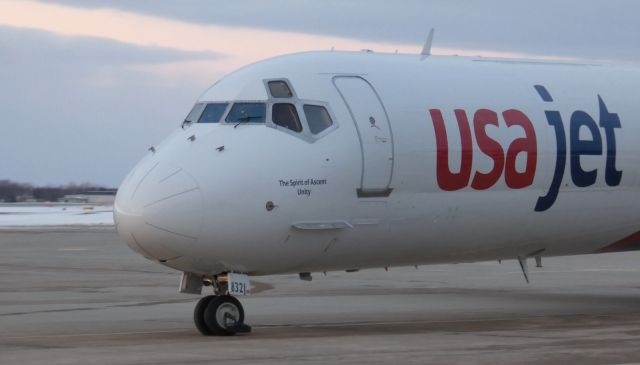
(245, 120)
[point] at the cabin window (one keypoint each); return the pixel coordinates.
(286, 115)
(194, 114)
(318, 118)
(212, 113)
(280, 89)
(247, 113)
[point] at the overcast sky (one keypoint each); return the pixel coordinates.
(87, 86)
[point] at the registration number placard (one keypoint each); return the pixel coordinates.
(239, 284)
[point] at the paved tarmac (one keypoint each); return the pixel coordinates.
(80, 296)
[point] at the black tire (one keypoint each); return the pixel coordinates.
(217, 309)
(198, 315)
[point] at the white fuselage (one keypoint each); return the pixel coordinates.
(435, 160)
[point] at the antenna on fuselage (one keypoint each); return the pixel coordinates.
(426, 50)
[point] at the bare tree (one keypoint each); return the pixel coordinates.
(11, 191)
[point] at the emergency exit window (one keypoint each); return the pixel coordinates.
(318, 118)
(286, 115)
(279, 89)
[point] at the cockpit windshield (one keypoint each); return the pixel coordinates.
(194, 113)
(247, 113)
(212, 113)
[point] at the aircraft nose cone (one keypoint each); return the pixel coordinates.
(158, 211)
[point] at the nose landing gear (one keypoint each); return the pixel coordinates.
(220, 314)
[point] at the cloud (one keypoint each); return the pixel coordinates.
(144, 30)
(98, 59)
(87, 86)
(243, 44)
(593, 29)
(17, 47)
(84, 109)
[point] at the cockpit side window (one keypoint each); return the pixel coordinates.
(247, 113)
(318, 118)
(308, 119)
(279, 89)
(286, 115)
(212, 113)
(194, 114)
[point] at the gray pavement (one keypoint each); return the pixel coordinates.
(78, 295)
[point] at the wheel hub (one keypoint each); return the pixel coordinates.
(227, 315)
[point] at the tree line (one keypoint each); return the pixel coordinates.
(11, 191)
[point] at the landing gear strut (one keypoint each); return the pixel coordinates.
(216, 315)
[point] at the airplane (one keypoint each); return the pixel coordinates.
(334, 160)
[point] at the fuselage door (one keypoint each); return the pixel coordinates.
(374, 132)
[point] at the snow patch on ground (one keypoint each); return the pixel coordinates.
(54, 215)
